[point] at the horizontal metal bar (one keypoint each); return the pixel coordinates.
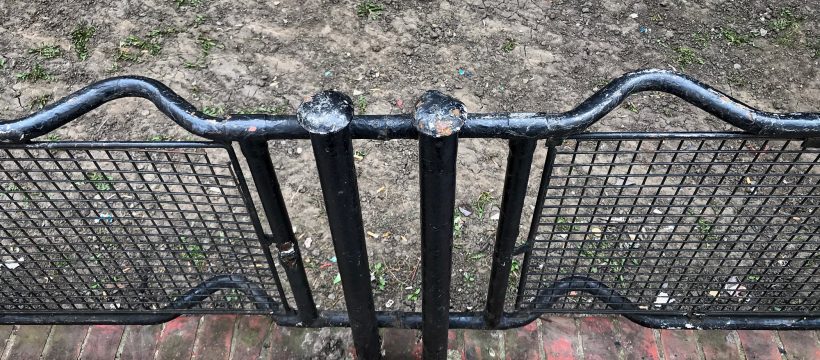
(112, 145)
(461, 320)
(516, 125)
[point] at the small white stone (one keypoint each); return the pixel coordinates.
(763, 32)
(633, 16)
(737, 66)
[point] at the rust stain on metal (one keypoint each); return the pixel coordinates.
(444, 128)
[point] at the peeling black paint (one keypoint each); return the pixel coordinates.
(439, 115)
(236, 127)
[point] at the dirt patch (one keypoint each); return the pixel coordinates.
(228, 57)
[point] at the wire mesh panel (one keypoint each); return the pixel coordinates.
(127, 228)
(679, 225)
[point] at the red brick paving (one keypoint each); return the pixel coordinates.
(65, 342)
(215, 337)
(717, 344)
(800, 345)
(598, 338)
(5, 333)
(102, 342)
(255, 337)
(140, 341)
(249, 336)
(524, 344)
(679, 345)
(637, 342)
(482, 345)
(26, 342)
(176, 341)
(401, 344)
(560, 339)
(759, 344)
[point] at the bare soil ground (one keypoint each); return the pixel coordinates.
(228, 57)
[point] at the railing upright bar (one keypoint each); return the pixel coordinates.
(536, 216)
(438, 118)
(327, 116)
(270, 195)
(519, 161)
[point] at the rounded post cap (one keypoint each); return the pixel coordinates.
(326, 112)
(438, 114)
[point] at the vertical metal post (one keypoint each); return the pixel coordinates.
(519, 161)
(536, 217)
(327, 116)
(270, 195)
(438, 119)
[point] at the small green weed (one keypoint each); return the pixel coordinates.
(701, 38)
(148, 45)
(785, 20)
(414, 296)
(133, 47)
(369, 10)
(207, 44)
(99, 180)
(457, 224)
(80, 37)
(469, 278)
(361, 104)
(213, 110)
(359, 155)
(193, 253)
(35, 74)
(631, 107)
(232, 295)
(53, 137)
(199, 63)
(704, 226)
(377, 270)
(484, 199)
(160, 138)
(2, 62)
(509, 45)
(787, 27)
(687, 56)
(39, 102)
(199, 20)
(181, 3)
(12, 187)
(733, 37)
(47, 51)
(562, 224)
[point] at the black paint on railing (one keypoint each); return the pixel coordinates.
(438, 121)
(514, 125)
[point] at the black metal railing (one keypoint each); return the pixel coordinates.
(671, 230)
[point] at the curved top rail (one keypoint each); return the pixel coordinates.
(500, 125)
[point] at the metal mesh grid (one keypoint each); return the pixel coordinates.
(705, 225)
(89, 228)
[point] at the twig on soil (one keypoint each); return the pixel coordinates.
(415, 269)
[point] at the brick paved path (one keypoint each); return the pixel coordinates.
(254, 337)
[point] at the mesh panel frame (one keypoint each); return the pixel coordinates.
(128, 228)
(703, 225)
